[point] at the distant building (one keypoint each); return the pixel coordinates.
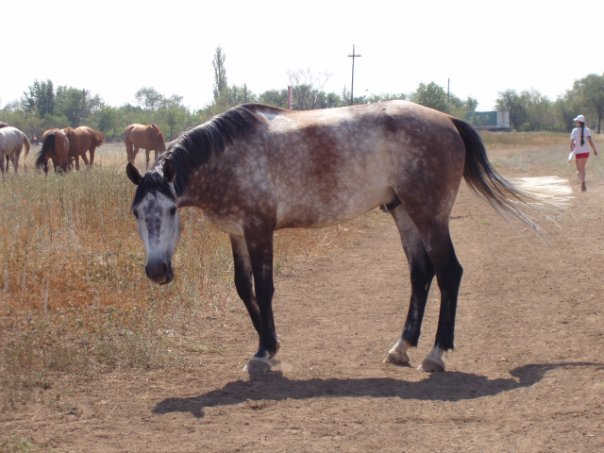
(489, 121)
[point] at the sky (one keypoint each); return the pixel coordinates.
(473, 48)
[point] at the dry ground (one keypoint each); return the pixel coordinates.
(527, 374)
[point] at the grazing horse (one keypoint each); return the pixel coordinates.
(256, 169)
(148, 137)
(12, 141)
(3, 124)
(55, 146)
(82, 139)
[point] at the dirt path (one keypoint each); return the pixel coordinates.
(527, 373)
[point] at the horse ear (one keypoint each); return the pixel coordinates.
(133, 174)
(169, 170)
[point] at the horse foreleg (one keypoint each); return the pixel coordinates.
(421, 274)
(243, 279)
(259, 241)
(147, 152)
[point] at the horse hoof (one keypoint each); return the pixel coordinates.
(257, 366)
(397, 358)
(431, 366)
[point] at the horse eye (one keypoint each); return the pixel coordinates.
(173, 210)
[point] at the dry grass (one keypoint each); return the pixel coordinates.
(73, 294)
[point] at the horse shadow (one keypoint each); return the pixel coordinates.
(449, 386)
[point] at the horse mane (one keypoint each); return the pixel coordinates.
(196, 146)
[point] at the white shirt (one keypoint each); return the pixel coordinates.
(575, 135)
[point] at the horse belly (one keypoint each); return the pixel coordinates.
(319, 209)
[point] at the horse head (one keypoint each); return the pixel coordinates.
(154, 207)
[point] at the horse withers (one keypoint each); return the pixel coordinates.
(147, 137)
(256, 169)
(12, 141)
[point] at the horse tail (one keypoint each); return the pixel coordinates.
(27, 144)
(485, 181)
(47, 146)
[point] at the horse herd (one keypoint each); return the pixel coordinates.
(64, 147)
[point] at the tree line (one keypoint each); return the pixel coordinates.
(44, 106)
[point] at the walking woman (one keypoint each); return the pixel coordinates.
(579, 139)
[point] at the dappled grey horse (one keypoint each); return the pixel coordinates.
(256, 169)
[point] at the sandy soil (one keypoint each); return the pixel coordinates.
(527, 374)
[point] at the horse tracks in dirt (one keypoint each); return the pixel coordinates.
(527, 374)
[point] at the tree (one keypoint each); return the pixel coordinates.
(76, 104)
(307, 89)
(539, 111)
(277, 98)
(149, 98)
(173, 112)
(511, 102)
(590, 91)
(40, 98)
(220, 77)
(432, 96)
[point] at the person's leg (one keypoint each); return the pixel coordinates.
(580, 162)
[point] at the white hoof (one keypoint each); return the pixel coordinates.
(258, 365)
(398, 354)
(433, 362)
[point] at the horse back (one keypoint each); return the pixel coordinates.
(145, 136)
(13, 139)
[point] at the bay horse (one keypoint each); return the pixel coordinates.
(55, 146)
(255, 169)
(12, 141)
(82, 139)
(148, 137)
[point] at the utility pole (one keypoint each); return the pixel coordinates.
(353, 56)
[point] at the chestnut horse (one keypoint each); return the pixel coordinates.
(148, 137)
(12, 141)
(55, 146)
(256, 169)
(82, 139)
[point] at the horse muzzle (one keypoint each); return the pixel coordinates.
(160, 271)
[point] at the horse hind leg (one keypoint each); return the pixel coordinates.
(421, 274)
(448, 275)
(430, 252)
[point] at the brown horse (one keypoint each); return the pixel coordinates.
(12, 141)
(256, 169)
(148, 137)
(55, 146)
(82, 139)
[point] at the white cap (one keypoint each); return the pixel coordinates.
(580, 118)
